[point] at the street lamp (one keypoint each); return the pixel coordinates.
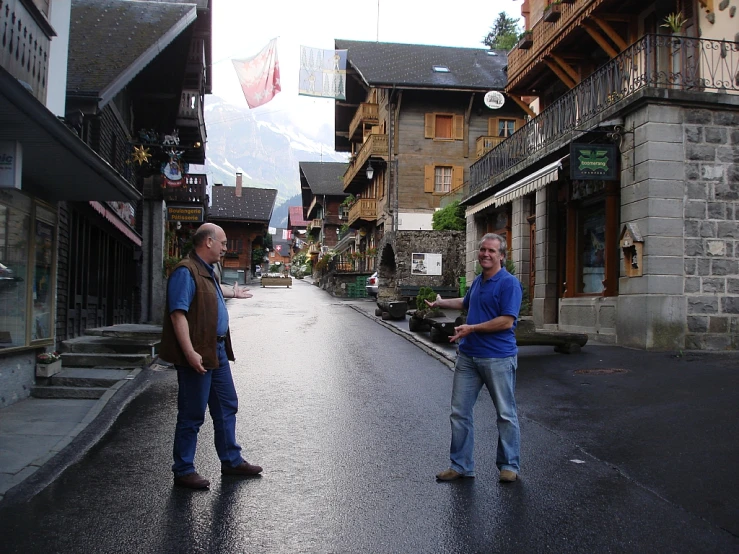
(370, 171)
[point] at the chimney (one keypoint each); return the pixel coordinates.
(238, 185)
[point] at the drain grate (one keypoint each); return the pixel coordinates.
(604, 371)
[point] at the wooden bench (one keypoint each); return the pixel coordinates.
(411, 291)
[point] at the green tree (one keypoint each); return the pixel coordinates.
(450, 218)
(503, 34)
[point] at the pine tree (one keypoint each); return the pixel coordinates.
(503, 34)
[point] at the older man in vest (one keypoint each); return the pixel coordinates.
(196, 339)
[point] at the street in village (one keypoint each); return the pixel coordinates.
(351, 423)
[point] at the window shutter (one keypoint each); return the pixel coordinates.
(428, 178)
(492, 126)
(458, 130)
(519, 124)
(457, 176)
(429, 125)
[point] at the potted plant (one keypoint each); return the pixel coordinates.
(526, 40)
(674, 22)
(553, 11)
(48, 364)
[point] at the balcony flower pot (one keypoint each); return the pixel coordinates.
(552, 12)
(526, 41)
(48, 364)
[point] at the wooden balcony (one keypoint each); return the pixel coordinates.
(486, 144)
(314, 248)
(191, 123)
(546, 35)
(24, 49)
(653, 62)
(191, 192)
(367, 114)
(364, 209)
(374, 146)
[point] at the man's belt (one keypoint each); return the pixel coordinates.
(221, 338)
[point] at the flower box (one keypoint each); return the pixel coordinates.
(526, 42)
(47, 370)
(552, 12)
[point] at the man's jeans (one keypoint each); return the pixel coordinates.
(499, 375)
(216, 390)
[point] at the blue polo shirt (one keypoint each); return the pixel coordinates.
(485, 300)
(181, 290)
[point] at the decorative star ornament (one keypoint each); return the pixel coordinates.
(141, 154)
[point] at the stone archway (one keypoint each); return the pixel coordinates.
(386, 272)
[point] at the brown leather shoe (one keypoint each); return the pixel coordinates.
(507, 476)
(450, 475)
(244, 469)
(192, 481)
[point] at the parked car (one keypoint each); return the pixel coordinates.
(372, 285)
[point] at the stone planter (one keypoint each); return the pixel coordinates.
(47, 370)
(276, 282)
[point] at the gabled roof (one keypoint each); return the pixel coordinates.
(412, 65)
(255, 204)
(111, 41)
(324, 177)
(295, 217)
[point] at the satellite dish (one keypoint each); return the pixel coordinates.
(494, 100)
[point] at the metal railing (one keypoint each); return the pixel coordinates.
(654, 61)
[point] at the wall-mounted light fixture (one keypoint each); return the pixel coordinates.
(370, 171)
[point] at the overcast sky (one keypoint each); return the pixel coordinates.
(242, 28)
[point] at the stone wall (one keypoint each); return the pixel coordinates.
(711, 228)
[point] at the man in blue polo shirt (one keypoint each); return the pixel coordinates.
(197, 340)
(488, 355)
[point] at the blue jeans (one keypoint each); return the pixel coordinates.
(499, 375)
(216, 390)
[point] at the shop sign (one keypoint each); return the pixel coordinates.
(11, 162)
(180, 213)
(593, 161)
(494, 100)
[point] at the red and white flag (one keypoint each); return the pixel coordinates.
(260, 75)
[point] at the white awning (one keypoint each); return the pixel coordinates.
(533, 182)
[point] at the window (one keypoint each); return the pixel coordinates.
(506, 127)
(444, 126)
(591, 248)
(234, 245)
(442, 179)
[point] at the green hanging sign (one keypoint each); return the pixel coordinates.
(593, 162)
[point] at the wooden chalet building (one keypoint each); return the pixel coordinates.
(244, 214)
(622, 193)
(322, 194)
(297, 226)
(414, 120)
(135, 95)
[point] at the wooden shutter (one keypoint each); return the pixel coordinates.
(430, 122)
(428, 178)
(492, 126)
(458, 127)
(519, 123)
(457, 176)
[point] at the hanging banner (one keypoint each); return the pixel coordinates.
(259, 75)
(593, 161)
(322, 73)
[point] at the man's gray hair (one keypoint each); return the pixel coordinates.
(499, 238)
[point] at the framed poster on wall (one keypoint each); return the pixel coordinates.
(425, 264)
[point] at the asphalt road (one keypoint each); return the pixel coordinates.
(350, 422)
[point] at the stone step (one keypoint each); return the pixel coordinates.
(91, 393)
(128, 331)
(115, 345)
(85, 377)
(115, 361)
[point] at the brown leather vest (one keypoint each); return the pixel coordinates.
(202, 319)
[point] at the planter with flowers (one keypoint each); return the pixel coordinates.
(48, 364)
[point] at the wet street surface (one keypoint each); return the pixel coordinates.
(351, 423)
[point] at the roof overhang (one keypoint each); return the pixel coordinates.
(533, 182)
(57, 165)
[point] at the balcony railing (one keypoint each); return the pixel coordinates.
(364, 209)
(655, 61)
(486, 144)
(545, 36)
(316, 223)
(24, 48)
(190, 113)
(367, 114)
(375, 145)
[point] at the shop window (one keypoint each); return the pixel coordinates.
(27, 277)
(591, 248)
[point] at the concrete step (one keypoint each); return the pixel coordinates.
(115, 345)
(85, 377)
(115, 361)
(128, 331)
(92, 393)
